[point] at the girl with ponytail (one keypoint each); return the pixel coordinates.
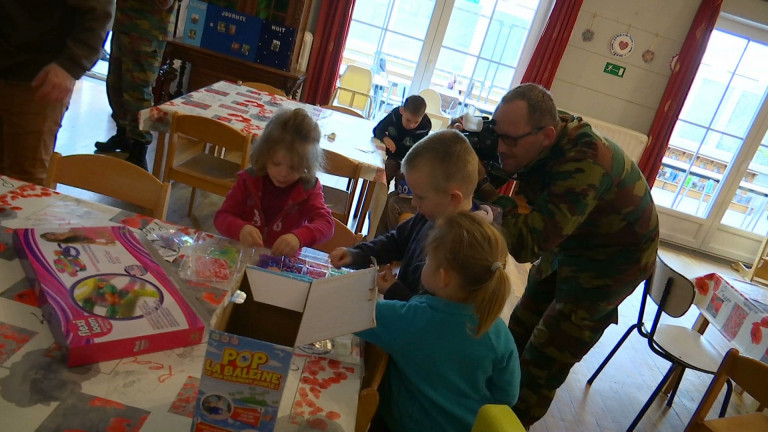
(450, 353)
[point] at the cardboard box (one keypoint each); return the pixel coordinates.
(104, 294)
(250, 349)
(230, 32)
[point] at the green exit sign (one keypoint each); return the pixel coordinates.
(614, 69)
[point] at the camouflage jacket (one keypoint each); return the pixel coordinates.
(145, 18)
(582, 208)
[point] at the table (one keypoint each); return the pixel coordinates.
(249, 110)
(155, 390)
(738, 309)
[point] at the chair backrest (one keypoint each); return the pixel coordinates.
(375, 360)
(342, 166)
(264, 87)
(497, 418)
(342, 237)
(679, 289)
(748, 373)
(434, 103)
(355, 87)
(118, 179)
(343, 109)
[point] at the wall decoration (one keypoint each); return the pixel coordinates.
(650, 54)
(622, 45)
(588, 34)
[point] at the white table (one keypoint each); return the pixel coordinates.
(39, 393)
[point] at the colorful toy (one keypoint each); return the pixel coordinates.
(66, 263)
(101, 296)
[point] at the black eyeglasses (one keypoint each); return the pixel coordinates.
(512, 141)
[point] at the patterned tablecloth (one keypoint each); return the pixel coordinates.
(249, 110)
(149, 392)
(738, 309)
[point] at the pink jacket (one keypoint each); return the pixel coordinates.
(305, 213)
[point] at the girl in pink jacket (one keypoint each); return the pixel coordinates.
(278, 202)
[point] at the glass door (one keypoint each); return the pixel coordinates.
(712, 186)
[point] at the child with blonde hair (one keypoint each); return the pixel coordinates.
(450, 353)
(278, 202)
(441, 170)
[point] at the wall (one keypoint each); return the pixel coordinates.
(580, 84)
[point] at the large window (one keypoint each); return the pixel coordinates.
(468, 50)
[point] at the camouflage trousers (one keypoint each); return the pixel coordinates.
(553, 330)
(133, 65)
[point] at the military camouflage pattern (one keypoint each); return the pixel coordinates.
(138, 41)
(583, 210)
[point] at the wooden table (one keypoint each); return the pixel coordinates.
(249, 110)
(209, 67)
(39, 393)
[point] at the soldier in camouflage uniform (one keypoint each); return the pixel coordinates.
(583, 213)
(139, 32)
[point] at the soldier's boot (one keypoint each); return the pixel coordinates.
(119, 142)
(137, 154)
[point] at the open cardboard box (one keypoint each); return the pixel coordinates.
(250, 347)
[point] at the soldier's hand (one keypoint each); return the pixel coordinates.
(53, 84)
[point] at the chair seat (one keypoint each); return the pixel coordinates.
(748, 422)
(688, 346)
(336, 200)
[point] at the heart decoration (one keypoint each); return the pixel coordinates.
(622, 45)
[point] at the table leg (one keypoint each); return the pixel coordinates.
(157, 166)
(378, 201)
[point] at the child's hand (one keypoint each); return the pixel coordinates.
(390, 144)
(250, 236)
(340, 257)
(385, 279)
(286, 244)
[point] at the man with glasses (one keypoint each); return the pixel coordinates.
(582, 212)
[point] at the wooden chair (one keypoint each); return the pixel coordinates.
(264, 87)
(497, 418)
(340, 201)
(112, 177)
(752, 376)
(342, 237)
(205, 166)
(376, 361)
(681, 346)
(343, 109)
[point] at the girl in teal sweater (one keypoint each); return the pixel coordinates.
(450, 353)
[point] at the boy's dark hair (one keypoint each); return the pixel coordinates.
(415, 105)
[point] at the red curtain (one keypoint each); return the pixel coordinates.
(549, 51)
(677, 87)
(327, 48)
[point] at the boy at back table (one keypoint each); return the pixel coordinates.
(402, 128)
(441, 170)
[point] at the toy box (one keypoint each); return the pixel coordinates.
(251, 346)
(229, 32)
(104, 294)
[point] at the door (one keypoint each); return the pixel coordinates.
(468, 50)
(712, 188)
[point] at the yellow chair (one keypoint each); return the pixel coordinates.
(340, 201)
(342, 237)
(112, 177)
(264, 87)
(354, 89)
(752, 376)
(343, 109)
(497, 418)
(375, 360)
(434, 111)
(206, 165)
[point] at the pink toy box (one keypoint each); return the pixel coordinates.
(103, 293)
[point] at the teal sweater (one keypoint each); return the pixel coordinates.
(439, 374)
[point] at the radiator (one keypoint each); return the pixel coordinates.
(632, 142)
